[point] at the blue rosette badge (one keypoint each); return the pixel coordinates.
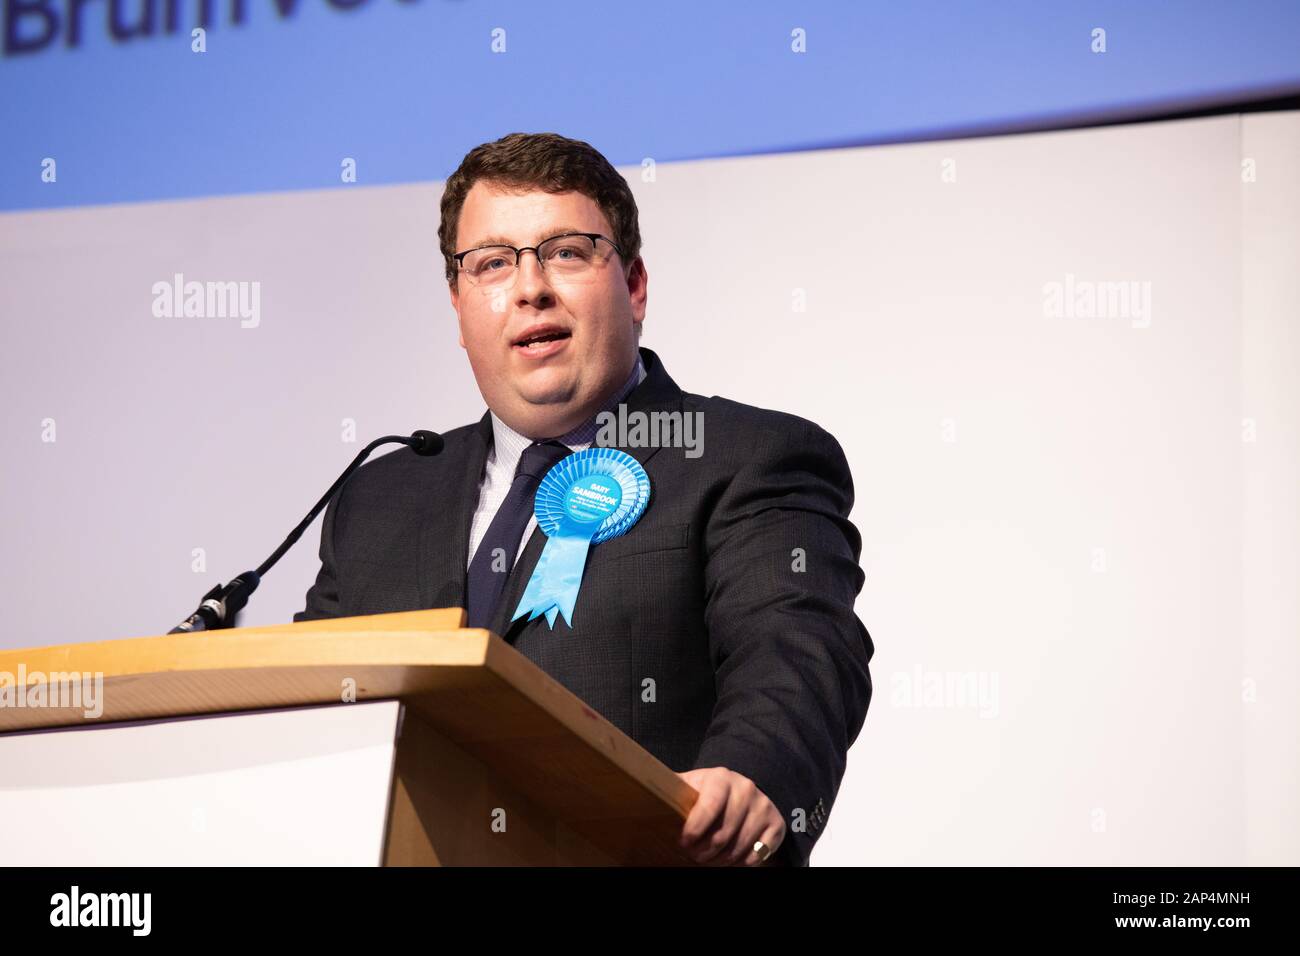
(586, 498)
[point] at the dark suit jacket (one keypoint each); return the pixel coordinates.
(758, 661)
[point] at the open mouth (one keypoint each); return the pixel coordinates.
(542, 340)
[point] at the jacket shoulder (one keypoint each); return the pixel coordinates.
(395, 468)
(726, 416)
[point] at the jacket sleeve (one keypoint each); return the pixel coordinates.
(790, 655)
(323, 596)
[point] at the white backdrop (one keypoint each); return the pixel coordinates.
(1080, 530)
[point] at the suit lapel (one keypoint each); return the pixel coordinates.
(444, 540)
(656, 393)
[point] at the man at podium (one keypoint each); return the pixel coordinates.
(695, 573)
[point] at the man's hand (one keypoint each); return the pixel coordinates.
(730, 815)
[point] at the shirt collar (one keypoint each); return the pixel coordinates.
(508, 445)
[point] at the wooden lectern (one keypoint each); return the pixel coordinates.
(494, 762)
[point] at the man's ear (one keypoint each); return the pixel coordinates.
(637, 282)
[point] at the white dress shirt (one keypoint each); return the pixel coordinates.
(503, 458)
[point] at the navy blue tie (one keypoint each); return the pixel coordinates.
(496, 552)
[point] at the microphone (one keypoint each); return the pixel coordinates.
(220, 605)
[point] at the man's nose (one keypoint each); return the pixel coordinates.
(531, 283)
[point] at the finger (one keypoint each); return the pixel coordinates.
(762, 821)
(721, 842)
(742, 852)
(773, 836)
(710, 804)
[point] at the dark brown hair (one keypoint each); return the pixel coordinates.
(549, 162)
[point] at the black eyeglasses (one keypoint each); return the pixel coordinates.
(573, 256)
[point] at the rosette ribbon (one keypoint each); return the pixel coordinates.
(587, 498)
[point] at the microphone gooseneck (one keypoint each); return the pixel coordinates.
(219, 606)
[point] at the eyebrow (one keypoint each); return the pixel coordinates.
(548, 234)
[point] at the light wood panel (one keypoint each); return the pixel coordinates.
(485, 730)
